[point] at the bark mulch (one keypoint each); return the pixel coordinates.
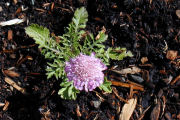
(146, 85)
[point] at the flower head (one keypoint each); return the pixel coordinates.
(85, 72)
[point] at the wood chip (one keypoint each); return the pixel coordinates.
(13, 84)
(1, 104)
(11, 73)
(41, 10)
(6, 106)
(46, 4)
(178, 116)
(18, 10)
(15, 2)
(171, 54)
(10, 34)
(12, 22)
(156, 111)
(128, 109)
(132, 70)
(178, 13)
(1, 9)
(144, 60)
(78, 111)
(163, 105)
(52, 6)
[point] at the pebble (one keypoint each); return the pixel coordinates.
(96, 103)
(7, 4)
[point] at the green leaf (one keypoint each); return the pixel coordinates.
(102, 37)
(106, 86)
(50, 74)
(38, 33)
(80, 18)
(68, 91)
(118, 53)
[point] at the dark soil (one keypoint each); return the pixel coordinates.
(148, 28)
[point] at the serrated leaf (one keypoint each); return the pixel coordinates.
(101, 37)
(50, 74)
(38, 33)
(118, 53)
(106, 86)
(68, 91)
(80, 18)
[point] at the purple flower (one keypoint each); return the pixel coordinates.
(85, 72)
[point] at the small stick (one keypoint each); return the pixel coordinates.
(116, 93)
(135, 84)
(127, 85)
(99, 96)
(13, 84)
(175, 80)
(142, 115)
(131, 91)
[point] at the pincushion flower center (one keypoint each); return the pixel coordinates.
(85, 68)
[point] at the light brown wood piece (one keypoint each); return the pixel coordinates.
(10, 34)
(13, 84)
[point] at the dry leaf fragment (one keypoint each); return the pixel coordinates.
(171, 54)
(11, 73)
(128, 109)
(132, 70)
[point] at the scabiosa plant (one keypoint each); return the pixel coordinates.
(86, 72)
(71, 56)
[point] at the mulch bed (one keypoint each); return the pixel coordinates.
(148, 28)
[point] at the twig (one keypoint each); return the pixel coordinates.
(116, 93)
(175, 80)
(127, 85)
(142, 115)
